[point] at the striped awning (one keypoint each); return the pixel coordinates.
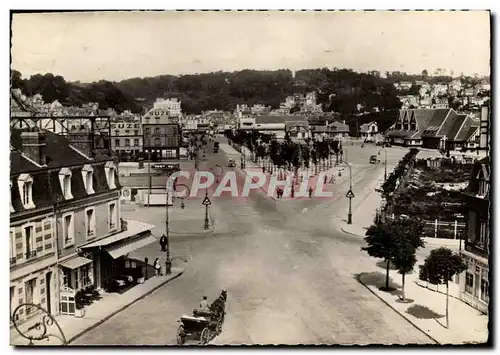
(129, 245)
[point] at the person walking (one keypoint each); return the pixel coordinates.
(157, 266)
(325, 179)
(163, 243)
(310, 191)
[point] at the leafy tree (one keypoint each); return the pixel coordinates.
(425, 73)
(439, 268)
(409, 234)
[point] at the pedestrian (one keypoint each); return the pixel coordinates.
(204, 304)
(325, 179)
(163, 243)
(263, 170)
(310, 191)
(157, 266)
(281, 193)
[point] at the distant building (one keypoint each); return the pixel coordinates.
(368, 131)
(171, 107)
(126, 137)
(433, 128)
(474, 282)
(161, 133)
(298, 126)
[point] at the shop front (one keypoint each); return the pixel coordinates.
(114, 270)
(474, 283)
(76, 275)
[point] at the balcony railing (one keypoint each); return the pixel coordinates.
(13, 261)
(30, 254)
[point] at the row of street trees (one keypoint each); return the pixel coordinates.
(397, 240)
(287, 154)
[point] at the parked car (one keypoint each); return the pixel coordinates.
(373, 159)
(231, 163)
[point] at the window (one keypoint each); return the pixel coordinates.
(68, 230)
(29, 245)
(90, 222)
(110, 174)
(483, 234)
(25, 184)
(85, 275)
(117, 133)
(127, 131)
(157, 131)
(157, 142)
(485, 295)
(136, 132)
(469, 283)
(87, 174)
(147, 131)
(65, 180)
(136, 142)
(30, 294)
(117, 142)
(112, 216)
(483, 187)
(127, 142)
(471, 222)
(12, 247)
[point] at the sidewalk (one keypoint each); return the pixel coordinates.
(96, 313)
(427, 308)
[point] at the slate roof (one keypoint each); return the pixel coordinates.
(458, 122)
(428, 121)
(338, 127)
(47, 189)
(364, 128)
(468, 129)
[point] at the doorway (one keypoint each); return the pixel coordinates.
(48, 282)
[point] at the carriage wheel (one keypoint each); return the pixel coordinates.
(180, 335)
(205, 336)
(219, 326)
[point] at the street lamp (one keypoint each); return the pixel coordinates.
(350, 194)
(39, 330)
(168, 260)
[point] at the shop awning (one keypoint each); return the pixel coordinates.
(130, 245)
(133, 228)
(75, 263)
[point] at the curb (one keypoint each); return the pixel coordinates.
(397, 311)
(351, 233)
(95, 325)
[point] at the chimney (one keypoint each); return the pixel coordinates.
(484, 128)
(81, 141)
(34, 146)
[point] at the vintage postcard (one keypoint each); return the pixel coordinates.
(250, 178)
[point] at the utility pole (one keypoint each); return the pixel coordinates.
(350, 196)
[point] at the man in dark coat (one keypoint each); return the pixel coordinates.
(163, 243)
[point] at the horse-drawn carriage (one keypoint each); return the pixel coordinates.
(203, 325)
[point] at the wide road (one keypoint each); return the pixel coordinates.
(289, 273)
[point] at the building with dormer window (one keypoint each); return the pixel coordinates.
(474, 282)
(66, 231)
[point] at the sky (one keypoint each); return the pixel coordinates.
(114, 46)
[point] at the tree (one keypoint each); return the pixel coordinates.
(425, 73)
(408, 238)
(439, 268)
(382, 242)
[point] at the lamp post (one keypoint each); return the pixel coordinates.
(39, 330)
(168, 259)
(149, 176)
(349, 195)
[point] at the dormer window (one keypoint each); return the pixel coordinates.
(87, 175)
(65, 180)
(110, 174)
(25, 184)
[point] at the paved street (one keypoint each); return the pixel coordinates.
(289, 273)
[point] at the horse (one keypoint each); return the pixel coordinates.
(219, 304)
